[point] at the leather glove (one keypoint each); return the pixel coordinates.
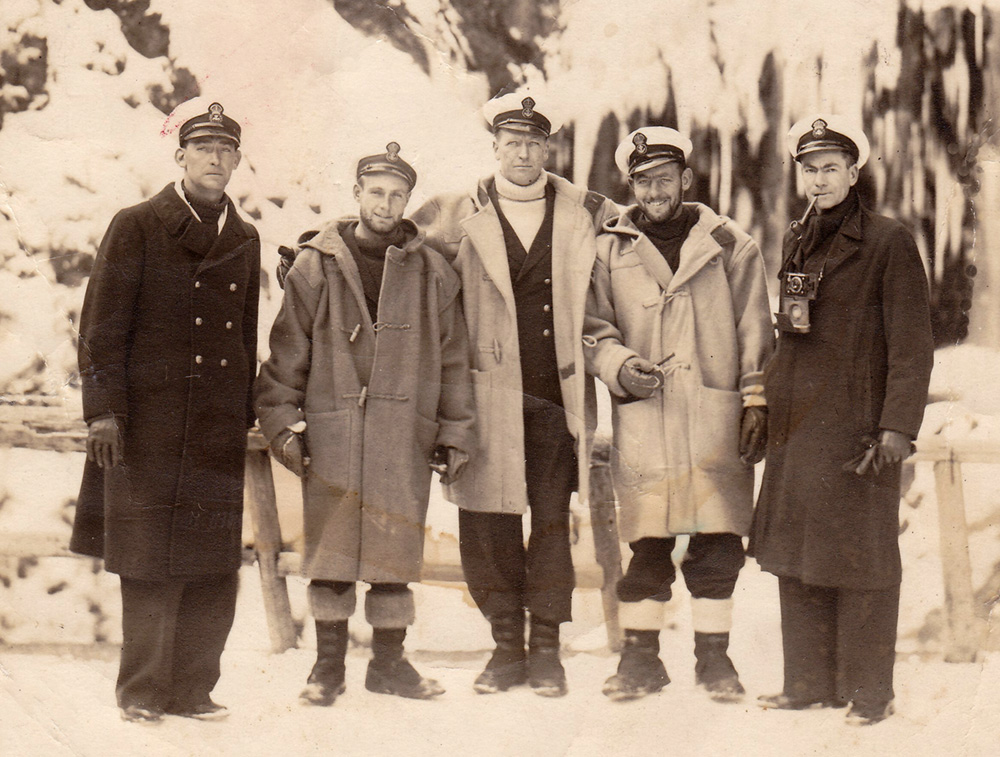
(639, 377)
(892, 447)
(286, 257)
(449, 462)
(753, 434)
(104, 442)
(289, 449)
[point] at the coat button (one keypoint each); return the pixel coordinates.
(546, 308)
(197, 285)
(223, 362)
(547, 332)
(197, 359)
(229, 324)
(548, 281)
(197, 321)
(232, 287)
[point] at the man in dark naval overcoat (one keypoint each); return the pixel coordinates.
(168, 344)
(846, 390)
(366, 387)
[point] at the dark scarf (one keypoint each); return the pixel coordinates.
(369, 255)
(668, 236)
(820, 227)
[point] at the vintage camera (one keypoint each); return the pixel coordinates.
(797, 291)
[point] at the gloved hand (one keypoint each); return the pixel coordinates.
(104, 442)
(753, 434)
(286, 257)
(289, 449)
(639, 377)
(892, 447)
(448, 462)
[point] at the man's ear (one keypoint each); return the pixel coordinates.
(357, 192)
(179, 156)
(852, 174)
(687, 179)
(239, 157)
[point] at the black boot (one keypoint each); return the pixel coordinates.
(714, 670)
(391, 673)
(506, 667)
(640, 670)
(545, 672)
(326, 681)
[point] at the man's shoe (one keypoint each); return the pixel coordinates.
(507, 666)
(400, 679)
(326, 680)
(869, 714)
(321, 693)
(784, 702)
(140, 713)
(714, 671)
(206, 710)
(640, 670)
(545, 672)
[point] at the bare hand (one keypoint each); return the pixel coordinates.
(457, 460)
(289, 449)
(104, 443)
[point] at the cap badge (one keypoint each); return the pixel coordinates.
(527, 107)
(215, 113)
(392, 152)
(639, 140)
(819, 128)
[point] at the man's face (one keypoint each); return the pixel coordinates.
(208, 164)
(660, 190)
(522, 155)
(828, 177)
(382, 199)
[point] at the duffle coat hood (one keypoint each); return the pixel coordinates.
(466, 229)
(168, 346)
(675, 459)
(376, 399)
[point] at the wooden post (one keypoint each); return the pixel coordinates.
(607, 550)
(964, 638)
(261, 501)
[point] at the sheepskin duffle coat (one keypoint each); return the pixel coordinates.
(376, 399)
(864, 366)
(466, 230)
(168, 346)
(675, 460)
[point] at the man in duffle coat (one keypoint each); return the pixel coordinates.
(522, 243)
(681, 328)
(367, 382)
(168, 346)
(846, 398)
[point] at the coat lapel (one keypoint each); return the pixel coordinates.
(486, 238)
(697, 250)
(651, 258)
(846, 243)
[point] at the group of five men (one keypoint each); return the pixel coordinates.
(463, 340)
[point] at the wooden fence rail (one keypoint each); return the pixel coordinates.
(34, 423)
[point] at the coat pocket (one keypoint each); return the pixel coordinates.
(715, 428)
(328, 440)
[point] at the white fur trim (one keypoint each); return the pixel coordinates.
(712, 615)
(646, 615)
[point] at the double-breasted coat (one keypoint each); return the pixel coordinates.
(675, 459)
(466, 229)
(864, 366)
(168, 347)
(376, 399)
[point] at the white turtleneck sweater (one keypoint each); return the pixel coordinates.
(524, 207)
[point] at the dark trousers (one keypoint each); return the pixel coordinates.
(503, 577)
(710, 566)
(173, 632)
(839, 644)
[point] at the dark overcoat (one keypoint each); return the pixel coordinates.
(168, 345)
(864, 366)
(376, 399)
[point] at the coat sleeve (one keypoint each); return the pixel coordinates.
(604, 350)
(909, 341)
(456, 407)
(107, 317)
(281, 386)
(250, 309)
(754, 330)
